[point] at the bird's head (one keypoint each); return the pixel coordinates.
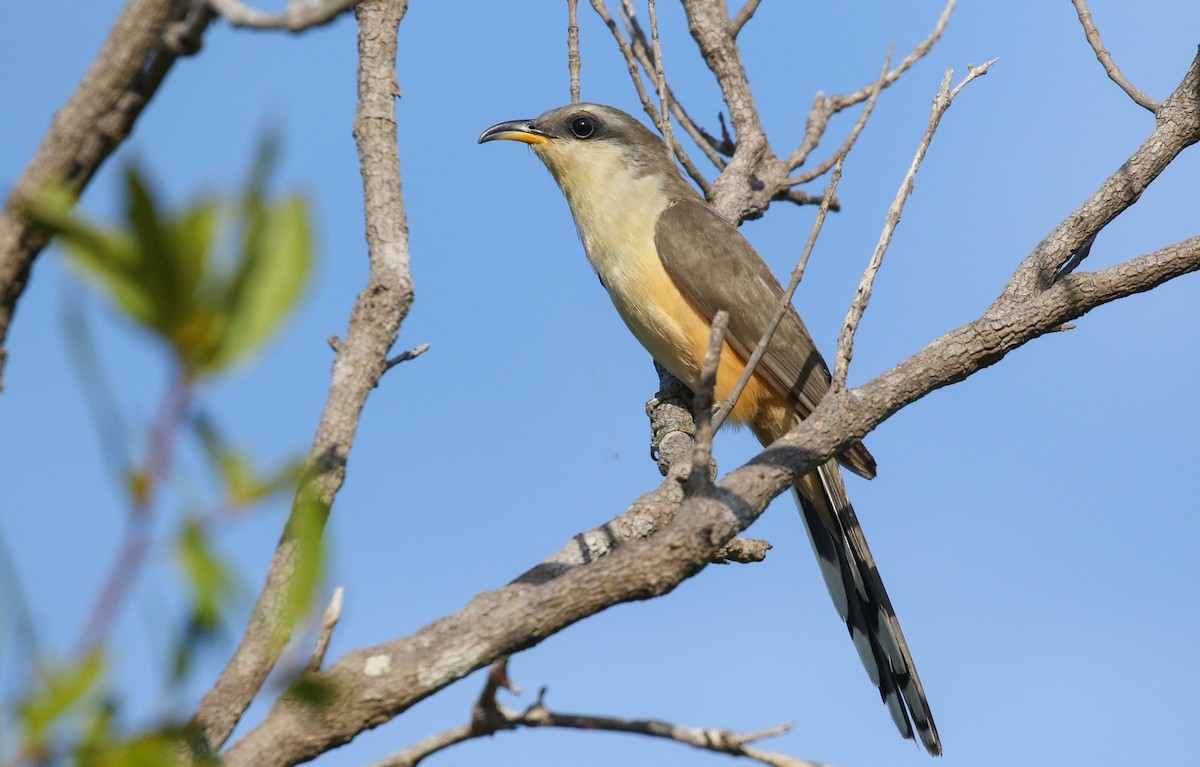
(591, 146)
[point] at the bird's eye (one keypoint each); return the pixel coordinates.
(583, 127)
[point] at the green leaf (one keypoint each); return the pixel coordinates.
(313, 690)
(193, 235)
(273, 269)
(107, 257)
(61, 690)
(164, 270)
(158, 262)
(207, 576)
(304, 528)
(243, 484)
(152, 749)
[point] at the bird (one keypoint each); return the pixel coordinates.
(669, 262)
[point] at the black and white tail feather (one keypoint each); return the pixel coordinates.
(860, 598)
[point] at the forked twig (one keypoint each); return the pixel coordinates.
(862, 296)
(489, 717)
(634, 73)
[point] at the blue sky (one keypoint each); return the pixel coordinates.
(1035, 524)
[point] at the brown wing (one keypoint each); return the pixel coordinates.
(714, 266)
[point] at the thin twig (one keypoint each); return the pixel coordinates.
(299, 15)
(1106, 59)
(785, 301)
(702, 404)
(488, 717)
(862, 296)
(144, 487)
(827, 202)
(573, 61)
(824, 107)
(411, 354)
(660, 79)
(329, 620)
(648, 105)
(742, 16)
(710, 145)
(859, 124)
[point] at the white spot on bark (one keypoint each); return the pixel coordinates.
(377, 665)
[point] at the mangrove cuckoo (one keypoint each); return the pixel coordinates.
(669, 262)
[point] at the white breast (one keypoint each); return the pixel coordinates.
(615, 211)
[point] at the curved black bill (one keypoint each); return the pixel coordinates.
(514, 130)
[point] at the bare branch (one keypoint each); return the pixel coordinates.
(411, 354)
(573, 62)
(631, 64)
(299, 16)
(361, 360)
(490, 717)
(709, 24)
(824, 108)
(145, 42)
(1106, 59)
(743, 15)
(855, 132)
(862, 296)
(700, 478)
(329, 620)
(380, 682)
(1175, 130)
(711, 146)
(660, 79)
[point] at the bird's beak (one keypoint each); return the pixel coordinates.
(515, 130)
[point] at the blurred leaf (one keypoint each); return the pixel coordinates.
(154, 749)
(313, 690)
(304, 528)
(207, 576)
(165, 271)
(243, 485)
(107, 257)
(273, 270)
(61, 690)
(158, 263)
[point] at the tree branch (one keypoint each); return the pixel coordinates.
(824, 108)
(299, 15)
(631, 64)
(146, 40)
(573, 61)
(709, 25)
(742, 16)
(490, 717)
(1176, 128)
(1110, 67)
(862, 296)
(641, 49)
(361, 360)
(375, 684)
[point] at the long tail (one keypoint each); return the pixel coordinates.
(861, 600)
